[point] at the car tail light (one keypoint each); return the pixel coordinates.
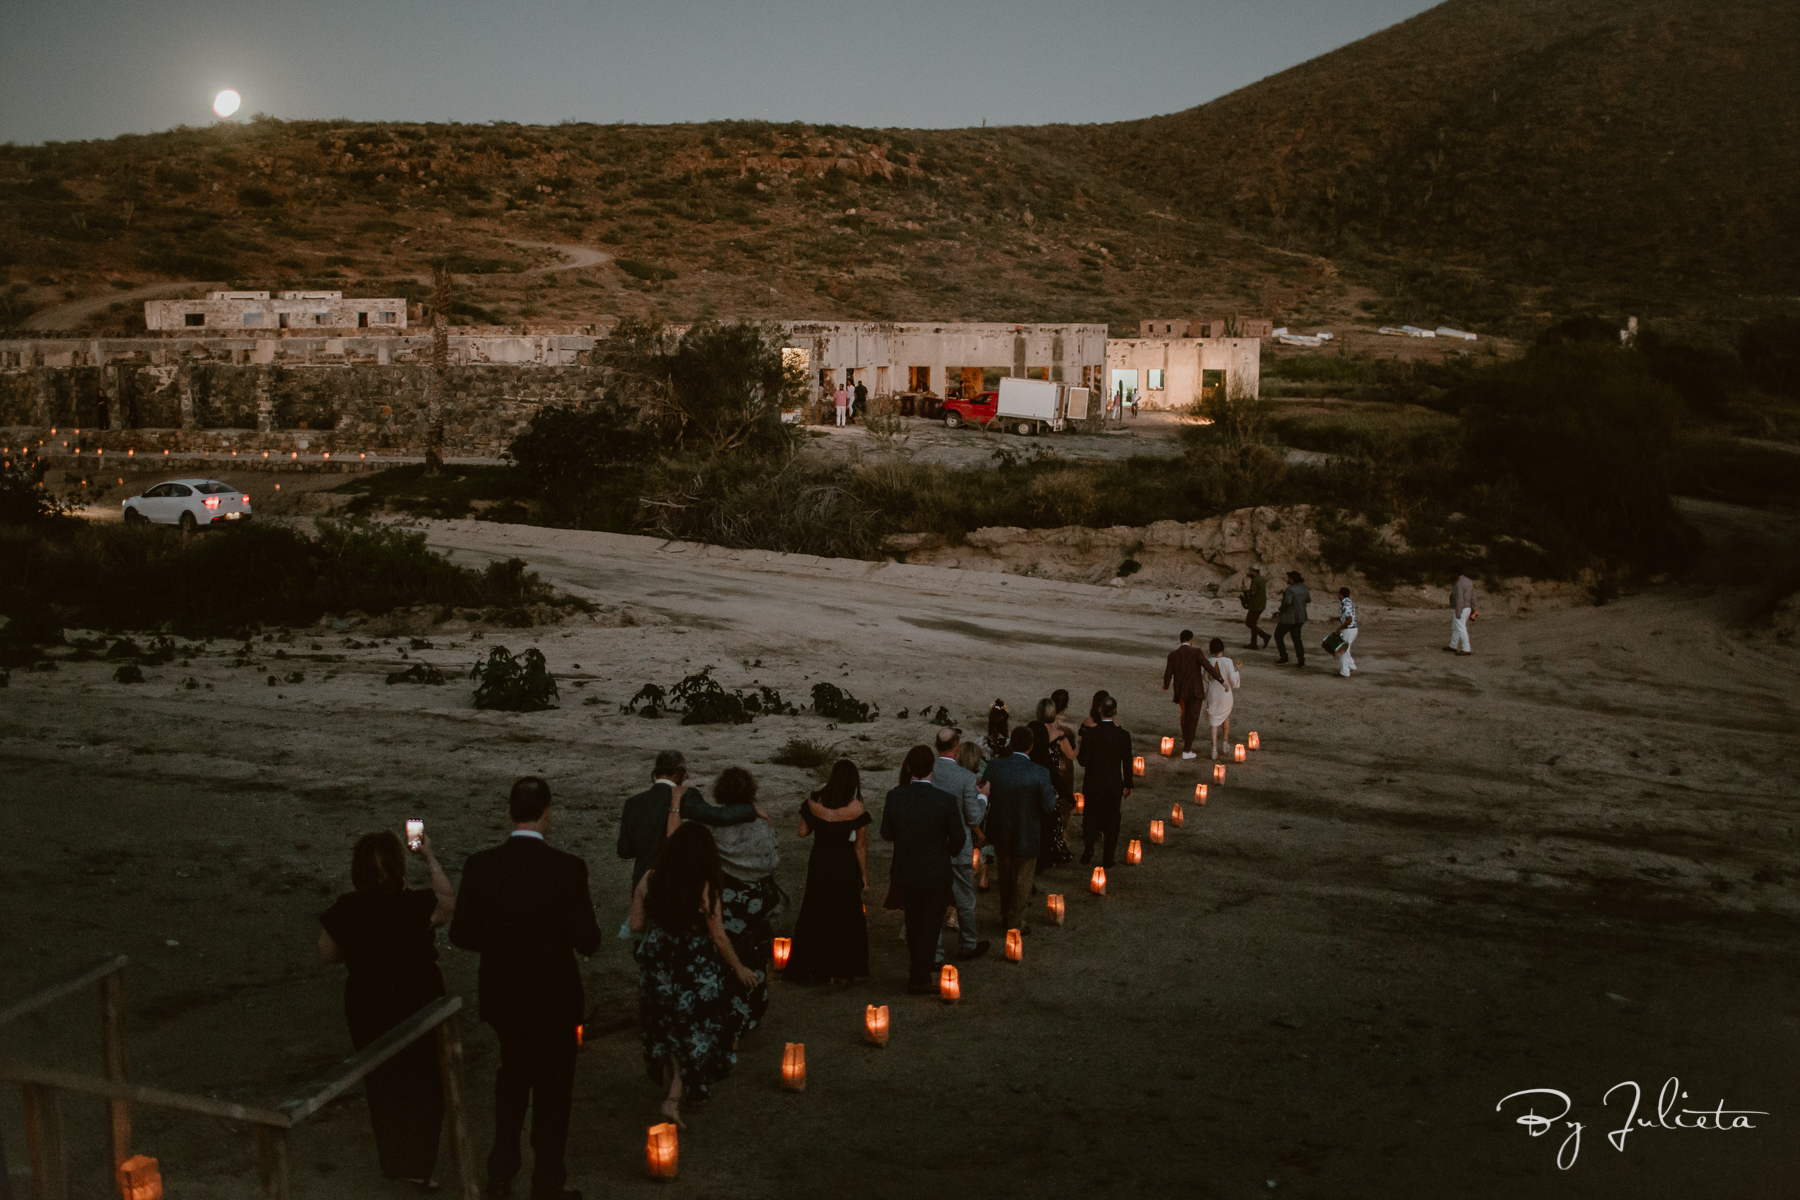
(212, 502)
(245, 501)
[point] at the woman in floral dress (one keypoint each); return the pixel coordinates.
(687, 970)
(748, 855)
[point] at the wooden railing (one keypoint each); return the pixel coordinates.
(43, 1087)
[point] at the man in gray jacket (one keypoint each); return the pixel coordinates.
(1291, 616)
(950, 776)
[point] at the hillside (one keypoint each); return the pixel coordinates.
(1489, 163)
(1605, 153)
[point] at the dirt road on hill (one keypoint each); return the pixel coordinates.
(1566, 862)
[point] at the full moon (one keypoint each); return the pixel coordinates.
(226, 102)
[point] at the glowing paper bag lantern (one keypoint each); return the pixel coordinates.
(1168, 745)
(1137, 766)
(875, 1025)
(975, 859)
(1097, 884)
(1080, 802)
(662, 1154)
(1200, 792)
(783, 948)
(1218, 772)
(949, 986)
(1054, 906)
(1156, 832)
(1255, 742)
(580, 1034)
(1015, 945)
(1134, 853)
(793, 1067)
(1237, 753)
(140, 1178)
(1176, 817)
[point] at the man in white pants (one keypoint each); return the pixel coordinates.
(1462, 603)
(1347, 630)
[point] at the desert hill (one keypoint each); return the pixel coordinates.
(1646, 153)
(1486, 163)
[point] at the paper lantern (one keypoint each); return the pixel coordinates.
(1200, 792)
(949, 986)
(662, 1154)
(1255, 742)
(1097, 884)
(783, 948)
(1218, 772)
(1134, 853)
(793, 1067)
(580, 1035)
(1156, 832)
(1080, 802)
(1168, 745)
(1137, 766)
(1176, 817)
(975, 859)
(140, 1178)
(1054, 907)
(1015, 945)
(1238, 754)
(875, 1025)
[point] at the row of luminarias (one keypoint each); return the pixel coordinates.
(662, 1152)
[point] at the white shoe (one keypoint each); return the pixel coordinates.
(1189, 754)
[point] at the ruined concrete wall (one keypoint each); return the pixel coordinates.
(880, 352)
(1183, 361)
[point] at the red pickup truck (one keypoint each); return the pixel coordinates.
(981, 410)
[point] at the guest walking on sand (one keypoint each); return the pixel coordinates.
(1106, 755)
(949, 775)
(525, 908)
(1290, 618)
(651, 816)
(1053, 749)
(926, 827)
(687, 969)
(1255, 597)
(748, 856)
(841, 398)
(1020, 800)
(386, 934)
(1222, 682)
(831, 937)
(1462, 606)
(1346, 632)
(1187, 672)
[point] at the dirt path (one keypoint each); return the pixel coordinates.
(1563, 863)
(73, 313)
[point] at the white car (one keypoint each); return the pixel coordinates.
(189, 503)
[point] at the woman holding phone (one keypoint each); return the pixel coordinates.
(386, 934)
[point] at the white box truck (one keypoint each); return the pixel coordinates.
(1030, 406)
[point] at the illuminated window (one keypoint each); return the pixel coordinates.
(1154, 382)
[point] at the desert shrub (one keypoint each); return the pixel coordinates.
(649, 272)
(257, 196)
(807, 753)
(578, 448)
(829, 700)
(509, 684)
(25, 498)
(129, 673)
(418, 673)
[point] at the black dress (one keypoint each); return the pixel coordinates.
(1054, 851)
(387, 941)
(831, 937)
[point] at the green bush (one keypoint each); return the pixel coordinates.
(831, 701)
(807, 753)
(509, 684)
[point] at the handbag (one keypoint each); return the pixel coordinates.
(1333, 642)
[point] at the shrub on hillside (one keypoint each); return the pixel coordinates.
(509, 684)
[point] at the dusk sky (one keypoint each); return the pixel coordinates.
(74, 69)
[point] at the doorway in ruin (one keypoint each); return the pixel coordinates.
(1212, 386)
(1126, 380)
(918, 379)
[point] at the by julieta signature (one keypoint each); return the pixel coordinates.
(1717, 1119)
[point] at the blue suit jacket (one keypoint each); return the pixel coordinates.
(1019, 798)
(926, 826)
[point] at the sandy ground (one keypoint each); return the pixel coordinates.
(1566, 862)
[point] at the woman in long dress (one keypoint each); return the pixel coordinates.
(1221, 682)
(687, 967)
(831, 937)
(386, 934)
(748, 855)
(1054, 750)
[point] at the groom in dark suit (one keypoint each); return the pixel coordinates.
(1106, 753)
(526, 909)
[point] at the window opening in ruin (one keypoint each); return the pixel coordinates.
(881, 381)
(918, 379)
(1212, 385)
(825, 379)
(362, 319)
(1154, 380)
(281, 319)
(194, 318)
(1056, 374)
(991, 377)
(1037, 372)
(1127, 380)
(253, 318)
(386, 318)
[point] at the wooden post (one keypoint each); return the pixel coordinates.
(44, 1139)
(272, 1159)
(450, 1071)
(112, 1052)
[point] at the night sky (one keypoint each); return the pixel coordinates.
(73, 69)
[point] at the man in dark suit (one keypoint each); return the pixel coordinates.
(650, 817)
(925, 823)
(525, 908)
(1020, 796)
(1106, 755)
(1186, 668)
